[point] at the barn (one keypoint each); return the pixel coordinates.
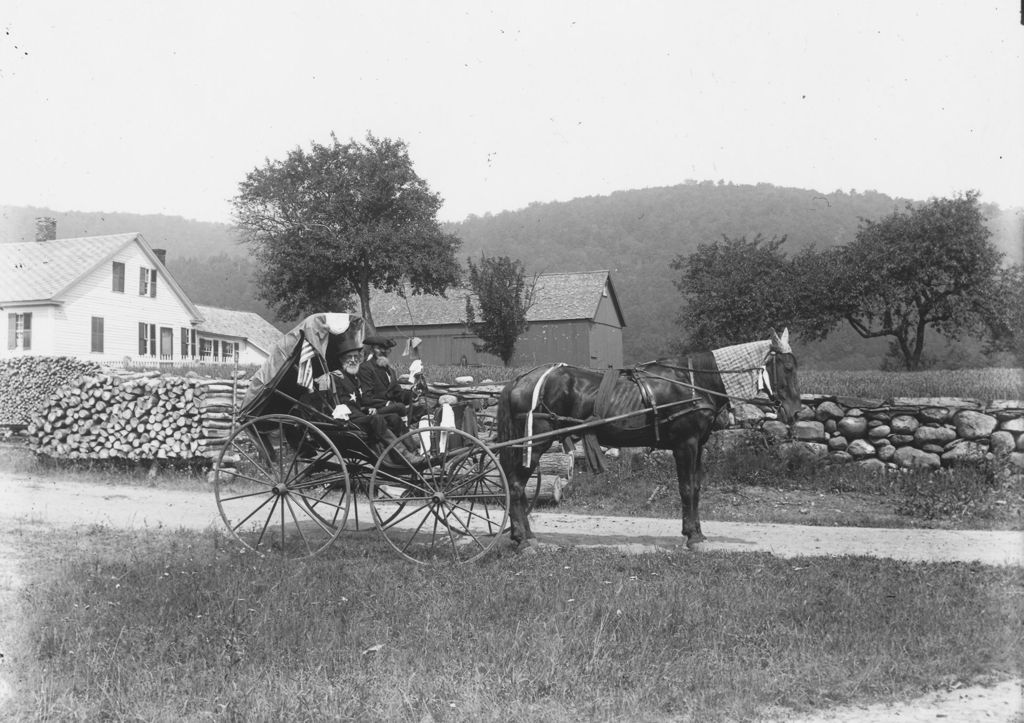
(575, 318)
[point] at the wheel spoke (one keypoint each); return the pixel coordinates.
(270, 498)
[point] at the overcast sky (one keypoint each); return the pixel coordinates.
(163, 107)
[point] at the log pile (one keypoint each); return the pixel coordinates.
(27, 382)
(134, 416)
(556, 470)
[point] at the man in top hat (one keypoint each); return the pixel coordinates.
(381, 426)
(379, 381)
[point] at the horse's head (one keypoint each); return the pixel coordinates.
(780, 367)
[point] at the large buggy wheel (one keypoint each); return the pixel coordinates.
(282, 486)
(453, 506)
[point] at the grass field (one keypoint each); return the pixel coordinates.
(180, 626)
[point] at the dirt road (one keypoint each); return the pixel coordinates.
(70, 502)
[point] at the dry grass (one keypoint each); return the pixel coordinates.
(180, 626)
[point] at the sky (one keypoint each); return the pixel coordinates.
(165, 106)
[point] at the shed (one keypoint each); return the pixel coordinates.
(575, 318)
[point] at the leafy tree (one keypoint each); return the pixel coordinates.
(339, 219)
(932, 266)
(734, 290)
(1005, 317)
(504, 296)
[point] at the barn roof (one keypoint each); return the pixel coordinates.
(558, 297)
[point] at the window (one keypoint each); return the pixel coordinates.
(97, 334)
(19, 331)
(228, 349)
(189, 343)
(147, 339)
(147, 281)
(118, 276)
(206, 348)
(166, 342)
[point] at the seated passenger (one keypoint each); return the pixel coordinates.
(379, 381)
(381, 426)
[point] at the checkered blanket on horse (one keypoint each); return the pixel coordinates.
(740, 367)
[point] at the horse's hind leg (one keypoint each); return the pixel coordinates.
(518, 517)
(690, 471)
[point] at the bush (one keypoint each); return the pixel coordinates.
(961, 493)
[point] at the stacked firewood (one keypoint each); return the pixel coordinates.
(26, 382)
(134, 416)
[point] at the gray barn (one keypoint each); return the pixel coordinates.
(575, 318)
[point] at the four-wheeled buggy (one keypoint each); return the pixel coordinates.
(292, 478)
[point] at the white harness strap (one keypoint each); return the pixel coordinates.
(533, 407)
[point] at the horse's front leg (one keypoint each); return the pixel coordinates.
(690, 472)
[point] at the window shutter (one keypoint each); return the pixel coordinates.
(152, 339)
(28, 332)
(142, 339)
(152, 282)
(12, 325)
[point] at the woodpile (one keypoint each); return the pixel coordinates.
(27, 382)
(135, 416)
(556, 470)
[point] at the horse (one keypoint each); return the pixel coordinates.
(669, 403)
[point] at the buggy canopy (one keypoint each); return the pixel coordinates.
(296, 360)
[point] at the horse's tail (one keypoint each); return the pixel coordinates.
(511, 456)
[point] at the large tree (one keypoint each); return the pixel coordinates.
(339, 219)
(504, 296)
(931, 266)
(734, 291)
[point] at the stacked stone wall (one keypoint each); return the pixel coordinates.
(906, 432)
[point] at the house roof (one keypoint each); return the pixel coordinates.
(43, 271)
(245, 324)
(558, 297)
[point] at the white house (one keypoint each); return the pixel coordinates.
(108, 298)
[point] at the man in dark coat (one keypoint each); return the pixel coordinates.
(379, 381)
(381, 425)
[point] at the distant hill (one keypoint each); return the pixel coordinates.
(634, 234)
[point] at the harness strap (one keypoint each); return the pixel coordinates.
(533, 407)
(604, 392)
(647, 397)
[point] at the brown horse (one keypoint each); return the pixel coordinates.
(664, 404)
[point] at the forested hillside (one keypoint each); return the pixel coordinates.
(634, 234)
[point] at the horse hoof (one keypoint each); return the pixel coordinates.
(698, 545)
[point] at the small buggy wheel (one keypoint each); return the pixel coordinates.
(454, 505)
(282, 486)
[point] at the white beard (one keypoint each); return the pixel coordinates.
(351, 369)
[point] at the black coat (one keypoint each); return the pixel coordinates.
(379, 384)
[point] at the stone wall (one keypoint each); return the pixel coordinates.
(900, 433)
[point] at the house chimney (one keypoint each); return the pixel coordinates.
(46, 228)
(162, 255)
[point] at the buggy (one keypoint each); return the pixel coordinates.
(292, 478)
